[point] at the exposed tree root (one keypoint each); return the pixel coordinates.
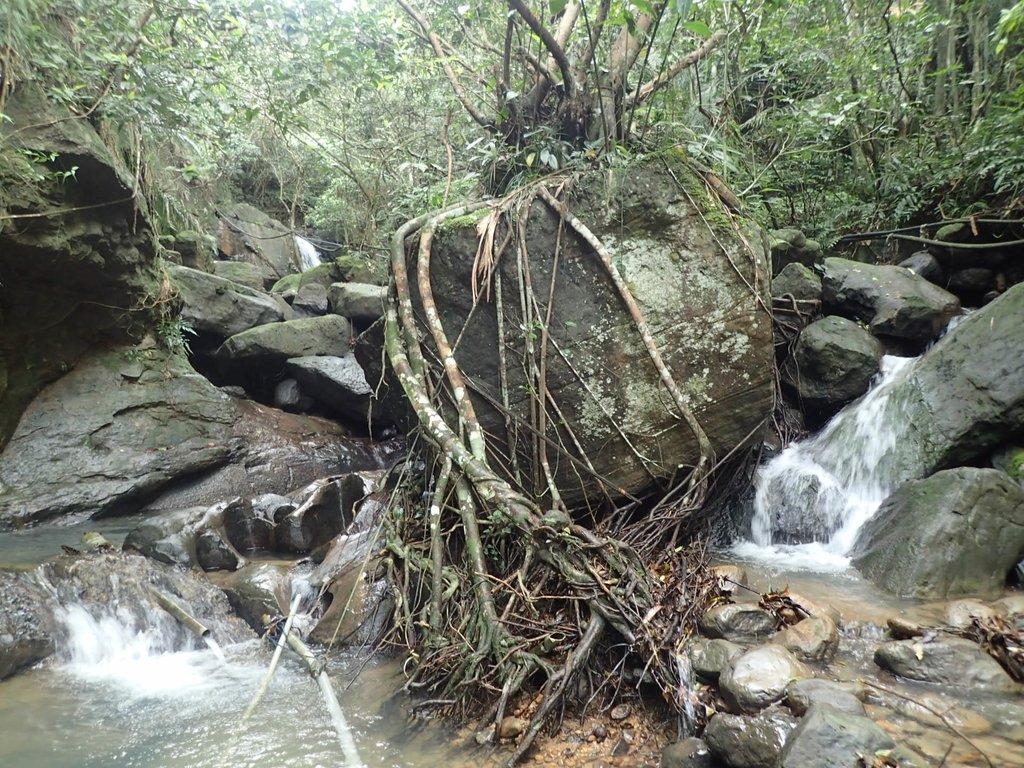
(499, 597)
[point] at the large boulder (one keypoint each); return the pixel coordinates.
(336, 382)
(950, 661)
(362, 302)
(894, 301)
(137, 428)
(220, 307)
(269, 345)
(797, 282)
(737, 622)
(833, 363)
(245, 233)
(958, 532)
(78, 258)
(699, 275)
(240, 272)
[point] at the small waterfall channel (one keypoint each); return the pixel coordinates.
(130, 686)
(309, 255)
(812, 499)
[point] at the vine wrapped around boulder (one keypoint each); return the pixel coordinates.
(560, 372)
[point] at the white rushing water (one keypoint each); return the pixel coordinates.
(308, 253)
(812, 499)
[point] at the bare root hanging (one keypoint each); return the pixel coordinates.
(502, 591)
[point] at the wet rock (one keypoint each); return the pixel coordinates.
(1011, 605)
(972, 284)
(740, 741)
(168, 538)
(247, 527)
(26, 622)
(219, 307)
(710, 657)
(213, 553)
(361, 302)
(310, 300)
(759, 677)
(828, 736)
(269, 345)
(688, 753)
(797, 281)
(289, 397)
(119, 582)
(950, 661)
(813, 639)
(245, 233)
(927, 266)
(893, 301)
(812, 608)
(239, 272)
(738, 622)
(162, 439)
(833, 363)
(257, 590)
(959, 613)
(325, 512)
(337, 382)
(801, 695)
(957, 532)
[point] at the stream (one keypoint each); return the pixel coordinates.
(116, 696)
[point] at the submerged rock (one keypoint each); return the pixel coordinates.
(950, 661)
(957, 532)
(688, 753)
(801, 695)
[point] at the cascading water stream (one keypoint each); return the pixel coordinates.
(309, 255)
(813, 498)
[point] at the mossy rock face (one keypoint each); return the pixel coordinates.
(87, 275)
(703, 291)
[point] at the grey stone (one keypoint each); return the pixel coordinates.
(813, 639)
(240, 272)
(273, 344)
(337, 382)
(741, 741)
(799, 281)
(317, 520)
(245, 233)
(972, 283)
(926, 265)
(257, 590)
(220, 307)
(311, 300)
(950, 661)
(833, 363)
(357, 301)
(288, 396)
(738, 622)
(957, 532)
(893, 301)
(759, 677)
(164, 438)
(26, 622)
(829, 737)
(248, 528)
(213, 553)
(801, 695)
(710, 657)
(167, 538)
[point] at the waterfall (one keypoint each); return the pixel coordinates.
(308, 253)
(818, 492)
